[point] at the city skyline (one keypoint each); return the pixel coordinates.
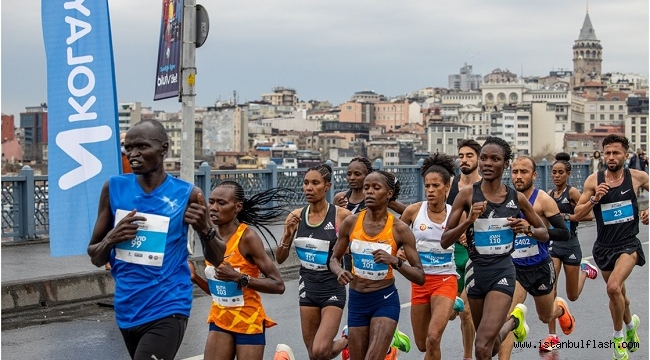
(329, 50)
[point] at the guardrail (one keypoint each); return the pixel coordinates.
(25, 204)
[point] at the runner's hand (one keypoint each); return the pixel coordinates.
(463, 240)
(291, 223)
(382, 257)
(519, 226)
(601, 190)
(401, 254)
(226, 272)
(476, 210)
(198, 215)
(343, 202)
(644, 217)
(125, 228)
(344, 277)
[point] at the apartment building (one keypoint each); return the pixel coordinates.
(636, 122)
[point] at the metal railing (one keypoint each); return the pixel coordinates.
(25, 204)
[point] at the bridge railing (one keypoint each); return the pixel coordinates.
(25, 202)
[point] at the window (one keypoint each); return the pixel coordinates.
(633, 129)
(450, 141)
(592, 117)
(611, 107)
(522, 134)
(633, 138)
(620, 116)
(644, 138)
(620, 107)
(611, 116)
(439, 141)
(602, 116)
(602, 107)
(643, 120)
(644, 130)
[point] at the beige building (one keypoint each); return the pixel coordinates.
(357, 112)
(173, 124)
(281, 96)
(636, 122)
(444, 137)
(500, 76)
(549, 122)
(608, 109)
(226, 129)
(391, 115)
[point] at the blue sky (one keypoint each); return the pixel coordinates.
(328, 49)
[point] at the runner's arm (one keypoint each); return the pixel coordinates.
(455, 226)
(413, 269)
(540, 232)
(290, 227)
(254, 251)
(574, 194)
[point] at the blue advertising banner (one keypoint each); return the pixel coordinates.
(83, 146)
(168, 72)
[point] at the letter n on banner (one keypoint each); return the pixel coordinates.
(83, 150)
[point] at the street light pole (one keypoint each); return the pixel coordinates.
(187, 90)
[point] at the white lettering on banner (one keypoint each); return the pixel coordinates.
(77, 4)
(74, 24)
(70, 141)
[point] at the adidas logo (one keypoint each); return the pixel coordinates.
(470, 283)
(503, 282)
(542, 287)
(573, 257)
(302, 295)
(511, 204)
(565, 201)
(333, 298)
(329, 226)
(301, 285)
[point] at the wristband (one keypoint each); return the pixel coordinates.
(591, 200)
(399, 264)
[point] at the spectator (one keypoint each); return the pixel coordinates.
(596, 163)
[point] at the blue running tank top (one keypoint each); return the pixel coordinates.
(529, 251)
(617, 213)
(489, 238)
(152, 278)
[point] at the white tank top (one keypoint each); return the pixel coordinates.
(435, 260)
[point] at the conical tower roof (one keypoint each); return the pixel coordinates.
(587, 32)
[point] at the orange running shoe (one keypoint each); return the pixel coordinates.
(566, 320)
(283, 352)
(392, 354)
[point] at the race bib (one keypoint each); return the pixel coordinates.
(493, 236)
(224, 293)
(312, 253)
(148, 245)
(525, 246)
(363, 261)
(433, 256)
(618, 212)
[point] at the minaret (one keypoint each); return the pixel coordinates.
(587, 55)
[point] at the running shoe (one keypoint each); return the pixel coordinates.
(344, 333)
(345, 353)
(283, 352)
(392, 354)
(459, 305)
(521, 331)
(586, 266)
(566, 320)
(401, 341)
(631, 337)
(620, 352)
(552, 342)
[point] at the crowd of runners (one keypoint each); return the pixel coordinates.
(473, 249)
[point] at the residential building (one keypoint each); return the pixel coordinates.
(357, 112)
(636, 122)
(444, 137)
(283, 96)
(34, 125)
(607, 109)
(367, 96)
(8, 128)
(226, 129)
(173, 124)
(128, 114)
(500, 76)
(391, 115)
(466, 80)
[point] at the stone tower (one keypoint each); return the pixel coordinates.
(587, 55)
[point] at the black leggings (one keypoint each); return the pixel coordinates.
(159, 339)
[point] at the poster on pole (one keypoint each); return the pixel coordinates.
(168, 72)
(83, 141)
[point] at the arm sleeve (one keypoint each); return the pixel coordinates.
(559, 232)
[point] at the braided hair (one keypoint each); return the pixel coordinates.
(365, 163)
(507, 151)
(325, 171)
(442, 164)
(563, 158)
(254, 213)
(391, 182)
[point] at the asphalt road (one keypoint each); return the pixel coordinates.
(94, 334)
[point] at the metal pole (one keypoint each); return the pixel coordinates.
(187, 90)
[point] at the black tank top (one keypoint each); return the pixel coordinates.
(564, 204)
(314, 245)
(355, 208)
(617, 213)
(489, 238)
(453, 190)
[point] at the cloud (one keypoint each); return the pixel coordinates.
(328, 49)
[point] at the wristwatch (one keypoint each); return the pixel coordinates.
(399, 264)
(243, 281)
(530, 231)
(567, 217)
(209, 235)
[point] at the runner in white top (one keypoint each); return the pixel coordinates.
(432, 303)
